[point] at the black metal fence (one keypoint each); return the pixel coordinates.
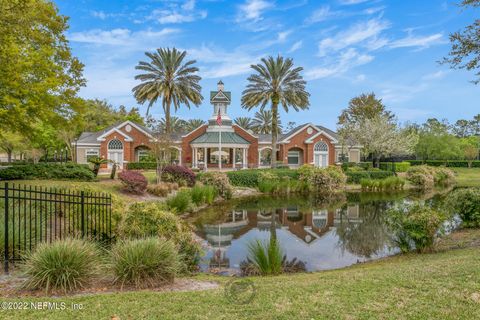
(34, 214)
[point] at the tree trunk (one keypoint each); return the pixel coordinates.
(9, 156)
(274, 133)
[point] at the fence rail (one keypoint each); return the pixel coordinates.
(34, 214)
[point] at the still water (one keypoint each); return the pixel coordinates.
(325, 233)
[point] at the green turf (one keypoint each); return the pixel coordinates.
(468, 177)
(431, 286)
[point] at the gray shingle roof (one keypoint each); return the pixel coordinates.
(297, 128)
(228, 94)
(213, 137)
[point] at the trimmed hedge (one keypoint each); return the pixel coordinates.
(250, 178)
(447, 163)
(141, 165)
(395, 166)
(68, 171)
(356, 176)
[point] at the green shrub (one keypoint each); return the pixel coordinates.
(465, 203)
(145, 219)
(54, 171)
(354, 177)
(67, 264)
(180, 202)
(447, 163)
(219, 181)
(144, 262)
(141, 166)
(250, 178)
(415, 227)
(443, 175)
(322, 180)
(421, 176)
(426, 177)
(203, 194)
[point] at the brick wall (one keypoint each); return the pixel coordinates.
(186, 149)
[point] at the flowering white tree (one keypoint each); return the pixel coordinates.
(382, 136)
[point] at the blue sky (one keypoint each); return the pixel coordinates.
(346, 47)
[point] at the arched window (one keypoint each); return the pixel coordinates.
(115, 144)
(321, 146)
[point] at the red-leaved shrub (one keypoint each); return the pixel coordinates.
(133, 181)
(179, 174)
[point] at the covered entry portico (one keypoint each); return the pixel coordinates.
(206, 152)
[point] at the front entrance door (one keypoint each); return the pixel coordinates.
(321, 160)
(117, 157)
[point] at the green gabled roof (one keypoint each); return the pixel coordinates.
(213, 137)
(214, 96)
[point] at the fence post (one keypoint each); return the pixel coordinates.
(5, 266)
(82, 208)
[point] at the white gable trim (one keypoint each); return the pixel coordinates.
(223, 95)
(310, 140)
(133, 124)
(103, 136)
(287, 139)
(251, 134)
(186, 135)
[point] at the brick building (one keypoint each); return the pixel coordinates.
(219, 144)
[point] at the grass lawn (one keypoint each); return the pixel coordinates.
(443, 285)
(468, 177)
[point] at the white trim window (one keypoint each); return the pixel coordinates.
(293, 157)
(320, 154)
(91, 153)
(342, 156)
(143, 154)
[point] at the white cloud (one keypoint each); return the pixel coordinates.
(119, 37)
(99, 14)
(321, 14)
(369, 30)
(350, 2)
(347, 60)
(435, 75)
(218, 63)
(177, 14)
(297, 45)
(253, 9)
(418, 41)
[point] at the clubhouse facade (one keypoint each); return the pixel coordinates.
(200, 149)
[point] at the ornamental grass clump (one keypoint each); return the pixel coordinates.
(416, 227)
(202, 194)
(144, 262)
(66, 265)
(180, 202)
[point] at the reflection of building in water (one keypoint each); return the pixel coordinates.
(306, 225)
(349, 214)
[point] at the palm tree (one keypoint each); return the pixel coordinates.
(167, 77)
(244, 122)
(276, 82)
(177, 125)
(193, 124)
(262, 123)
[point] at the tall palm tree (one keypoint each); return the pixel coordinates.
(193, 124)
(276, 82)
(177, 125)
(244, 122)
(262, 123)
(168, 77)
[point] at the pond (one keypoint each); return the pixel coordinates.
(325, 233)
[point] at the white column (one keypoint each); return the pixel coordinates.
(244, 158)
(205, 158)
(220, 158)
(180, 157)
(194, 158)
(233, 161)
